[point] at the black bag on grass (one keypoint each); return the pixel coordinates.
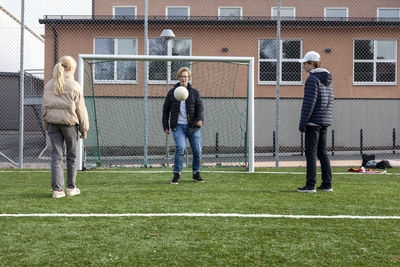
(366, 158)
(384, 164)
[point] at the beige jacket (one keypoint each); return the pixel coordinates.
(68, 108)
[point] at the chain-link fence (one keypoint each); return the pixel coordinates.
(358, 44)
(34, 136)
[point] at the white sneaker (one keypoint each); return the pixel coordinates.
(73, 191)
(58, 194)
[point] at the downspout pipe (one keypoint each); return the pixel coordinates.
(53, 27)
(93, 8)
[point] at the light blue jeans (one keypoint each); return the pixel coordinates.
(183, 131)
(58, 134)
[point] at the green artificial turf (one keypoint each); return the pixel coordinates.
(200, 241)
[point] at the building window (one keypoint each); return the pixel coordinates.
(115, 71)
(229, 13)
(287, 13)
(177, 12)
(290, 72)
(124, 12)
(375, 61)
(388, 14)
(336, 13)
(158, 69)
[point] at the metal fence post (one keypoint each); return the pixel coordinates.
(21, 88)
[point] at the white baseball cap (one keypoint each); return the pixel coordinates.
(310, 56)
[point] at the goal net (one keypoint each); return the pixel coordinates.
(124, 96)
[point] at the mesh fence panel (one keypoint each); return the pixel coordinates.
(34, 135)
(358, 43)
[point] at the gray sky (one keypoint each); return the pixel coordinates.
(35, 9)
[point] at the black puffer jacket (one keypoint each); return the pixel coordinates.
(318, 99)
(194, 108)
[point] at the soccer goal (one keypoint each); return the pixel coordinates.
(124, 95)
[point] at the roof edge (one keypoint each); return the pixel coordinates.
(8, 13)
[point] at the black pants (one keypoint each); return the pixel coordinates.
(316, 147)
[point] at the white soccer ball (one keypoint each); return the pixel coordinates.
(181, 93)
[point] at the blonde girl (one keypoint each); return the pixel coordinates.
(64, 114)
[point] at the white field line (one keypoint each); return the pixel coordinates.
(233, 172)
(238, 215)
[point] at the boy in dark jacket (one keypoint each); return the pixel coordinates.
(184, 118)
(316, 116)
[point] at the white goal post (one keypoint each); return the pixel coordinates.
(249, 61)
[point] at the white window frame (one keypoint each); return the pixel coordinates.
(113, 10)
(227, 17)
(274, 13)
(282, 60)
(169, 81)
(386, 8)
(341, 8)
(115, 81)
(375, 61)
(187, 7)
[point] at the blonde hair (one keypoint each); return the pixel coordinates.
(65, 63)
(183, 69)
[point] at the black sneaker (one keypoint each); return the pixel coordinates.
(325, 188)
(176, 178)
(197, 178)
(306, 189)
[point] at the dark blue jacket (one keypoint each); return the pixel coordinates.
(318, 99)
(194, 109)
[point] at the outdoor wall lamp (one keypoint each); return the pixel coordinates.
(167, 34)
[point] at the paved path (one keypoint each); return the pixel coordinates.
(334, 163)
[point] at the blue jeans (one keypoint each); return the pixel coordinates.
(194, 136)
(315, 143)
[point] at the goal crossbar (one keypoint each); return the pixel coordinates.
(250, 87)
(166, 58)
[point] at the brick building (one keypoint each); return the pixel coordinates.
(357, 40)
